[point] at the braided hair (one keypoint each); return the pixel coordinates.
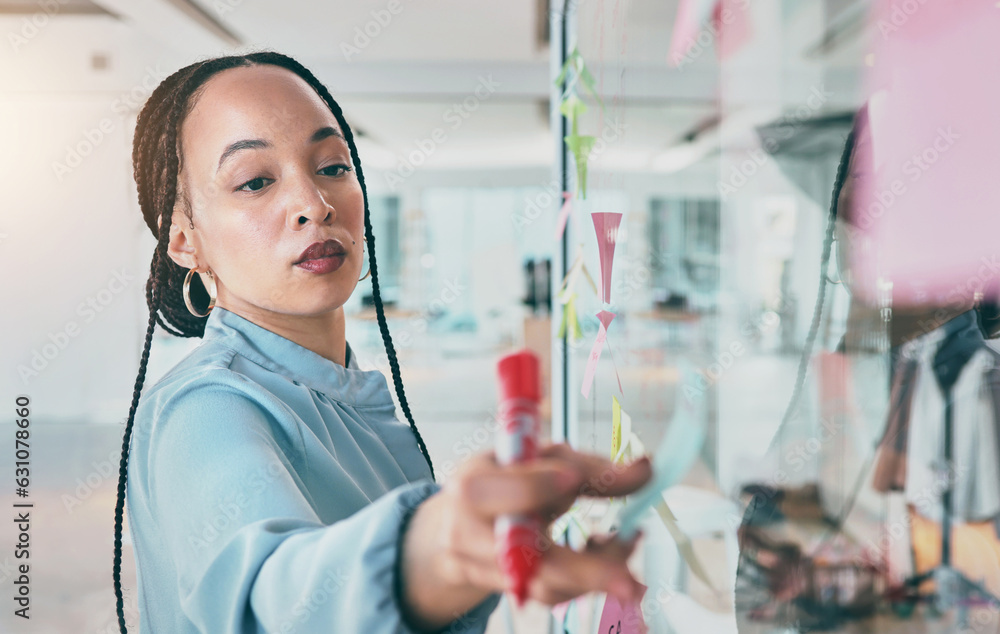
(156, 163)
(860, 119)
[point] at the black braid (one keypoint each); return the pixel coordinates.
(156, 161)
(390, 350)
(152, 287)
(838, 185)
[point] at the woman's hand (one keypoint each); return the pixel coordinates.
(449, 552)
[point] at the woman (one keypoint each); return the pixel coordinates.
(273, 488)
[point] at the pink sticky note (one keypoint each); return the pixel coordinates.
(691, 16)
(732, 22)
(606, 225)
(605, 317)
(564, 213)
(595, 352)
(619, 619)
(928, 198)
(615, 366)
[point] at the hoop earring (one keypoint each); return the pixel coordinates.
(186, 293)
(365, 240)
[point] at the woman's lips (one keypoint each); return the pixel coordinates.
(323, 265)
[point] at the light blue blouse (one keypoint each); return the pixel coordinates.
(268, 490)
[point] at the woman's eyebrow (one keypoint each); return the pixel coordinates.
(256, 144)
(325, 132)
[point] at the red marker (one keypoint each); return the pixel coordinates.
(517, 441)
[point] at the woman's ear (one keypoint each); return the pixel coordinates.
(181, 247)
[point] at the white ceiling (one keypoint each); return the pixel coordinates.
(397, 86)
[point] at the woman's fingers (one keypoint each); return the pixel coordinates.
(601, 477)
(549, 484)
(536, 486)
(565, 573)
(546, 487)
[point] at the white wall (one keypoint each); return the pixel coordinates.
(72, 231)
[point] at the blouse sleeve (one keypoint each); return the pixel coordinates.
(251, 554)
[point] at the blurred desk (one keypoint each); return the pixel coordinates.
(677, 323)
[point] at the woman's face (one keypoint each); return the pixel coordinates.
(267, 173)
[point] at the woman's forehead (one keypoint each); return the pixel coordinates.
(255, 102)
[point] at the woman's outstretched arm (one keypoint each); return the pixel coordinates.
(215, 479)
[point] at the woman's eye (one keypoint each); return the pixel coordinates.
(338, 170)
(253, 185)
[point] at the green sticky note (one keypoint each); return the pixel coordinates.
(580, 146)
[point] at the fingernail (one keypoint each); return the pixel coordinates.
(640, 463)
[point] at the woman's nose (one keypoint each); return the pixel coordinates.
(307, 203)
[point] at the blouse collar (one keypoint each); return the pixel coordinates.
(280, 355)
